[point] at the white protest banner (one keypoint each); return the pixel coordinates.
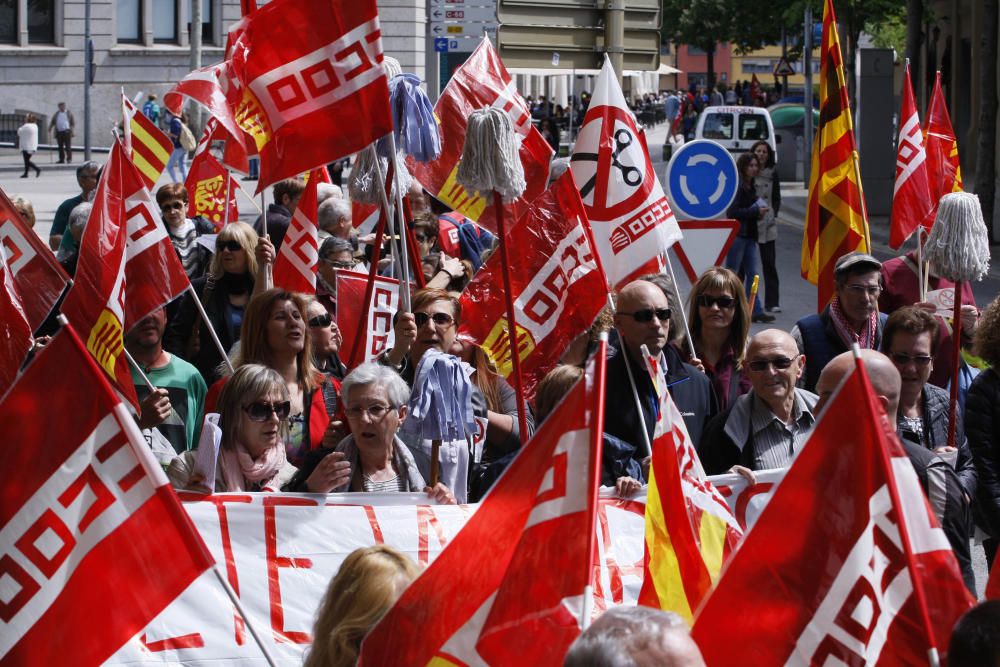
(279, 552)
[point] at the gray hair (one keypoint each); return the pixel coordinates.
(334, 244)
(325, 191)
(396, 389)
(331, 212)
(79, 215)
(619, 633)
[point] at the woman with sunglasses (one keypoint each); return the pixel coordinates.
(717, 315)
(747, 209)
(253, 419)
(275, 335)
(434, 324)
(183, 231)
(224, 291)
(373, 459)
(326, 340)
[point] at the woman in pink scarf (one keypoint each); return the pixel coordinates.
(253, 418)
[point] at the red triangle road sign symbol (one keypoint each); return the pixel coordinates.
(705, 244)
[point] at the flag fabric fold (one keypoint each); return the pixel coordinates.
(482, 81)
(632, 221)
(799, 591)
(150, 147)
(944, 170)
(912, 206)
(836, 217)
(557, 284)
(522, 604)
(309, 85)
(15, 333)
(295, 266)
(234, 153)
(91, 526)
(32, 265)
(207, 189)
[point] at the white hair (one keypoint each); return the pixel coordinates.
(78, 216)
(325, 191)
(331, 212)
(613, 638)
(371, 373)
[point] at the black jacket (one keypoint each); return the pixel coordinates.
(689, 387)
(817, 338)
(744, 209)
(278, 219)
(982, 429)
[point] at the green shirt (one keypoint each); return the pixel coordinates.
(187, 392)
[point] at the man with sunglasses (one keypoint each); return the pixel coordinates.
(910, 341)
(643, 318)
(852, 316)
(767, 426)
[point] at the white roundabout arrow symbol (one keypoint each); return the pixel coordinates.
(719, 189)
(686, 191)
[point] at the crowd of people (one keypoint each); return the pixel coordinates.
(262, 380)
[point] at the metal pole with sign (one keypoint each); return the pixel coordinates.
(807, 96)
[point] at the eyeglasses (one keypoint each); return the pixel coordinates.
(723, 302)
(441, 319)
(761, 365)
(337, 264)
(176, 206)
(376, 412)
(901, 359)
(231, 246)
(321, 321)
(260, 411)
(646, 315)
(864, 290)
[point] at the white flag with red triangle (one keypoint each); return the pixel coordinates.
(633, 223)
(295, 267)
(522, 603)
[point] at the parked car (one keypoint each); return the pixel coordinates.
(736, 128)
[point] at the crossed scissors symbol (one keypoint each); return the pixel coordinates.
(631, 175)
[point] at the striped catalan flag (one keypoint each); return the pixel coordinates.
(836, 217)
(151, 148)
(690, 530)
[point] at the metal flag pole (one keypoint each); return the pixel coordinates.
(646, 440)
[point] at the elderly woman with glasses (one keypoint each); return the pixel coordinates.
(224, 291)
(184, 232)
(372, 459)
(719, 322)
(434, 324)
(253, 420)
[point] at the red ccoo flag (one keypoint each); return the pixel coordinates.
(521, 605)
(482, 81)
(379, 334)
(83, 524)
(841, 591)
(558, 286)
(295, 267)
(207, 189)
(234, 153)
(15, 334)
(32, 265)
(943, 166)
(911, 196)
(311, 88)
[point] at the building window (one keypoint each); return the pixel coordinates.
(129, 22)
(164, 21)
(26, 22)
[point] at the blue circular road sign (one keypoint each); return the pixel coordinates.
(702, 180)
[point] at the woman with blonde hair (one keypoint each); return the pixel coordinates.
(224, 290)
(369, 582)
(253, 420)
(718, 315)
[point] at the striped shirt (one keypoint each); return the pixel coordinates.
(394, 485)
(775, 443)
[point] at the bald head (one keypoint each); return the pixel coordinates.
(882, 374)
(637, 320)
(774, 339)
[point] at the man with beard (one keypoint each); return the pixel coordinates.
(175, 408)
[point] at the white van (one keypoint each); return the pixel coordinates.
(736, 128)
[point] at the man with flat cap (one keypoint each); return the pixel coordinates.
(852, 316)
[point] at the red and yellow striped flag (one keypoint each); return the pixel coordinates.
(150, 147)
(836, 217)
(690, 530)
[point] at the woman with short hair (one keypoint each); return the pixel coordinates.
(253, 412)
(184, 231)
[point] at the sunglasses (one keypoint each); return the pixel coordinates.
(260, 411)
(646, 315)
(723, 302)
(901, 359)
(232, 246)
(321, 321)
(176, 206)
(440, 319)
(337, 264)
(779, 363)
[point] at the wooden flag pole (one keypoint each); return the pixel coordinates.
(404, 263)
(384, 187)
(211, 329)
